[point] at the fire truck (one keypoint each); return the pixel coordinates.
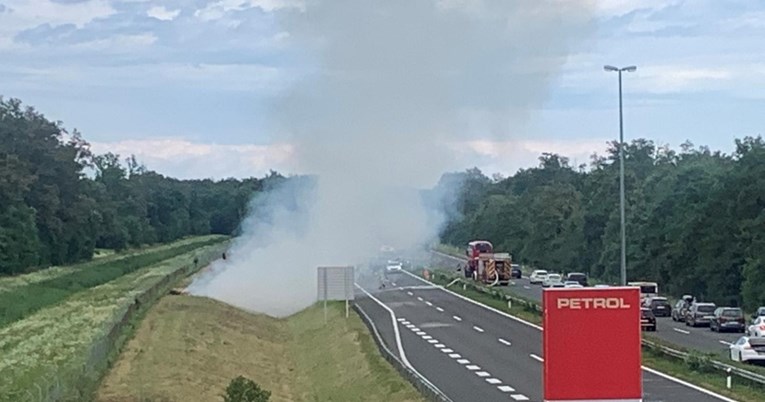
(474, 250)
(486, 266)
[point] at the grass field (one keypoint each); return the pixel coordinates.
(59, 350)
(188, 349)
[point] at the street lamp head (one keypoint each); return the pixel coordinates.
(630, 69)
(610, 68)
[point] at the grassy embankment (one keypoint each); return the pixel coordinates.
(188, 349)
(59, 352)
(694, 370)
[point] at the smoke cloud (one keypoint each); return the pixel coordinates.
(390, 85)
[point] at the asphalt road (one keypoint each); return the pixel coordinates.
(470, 352)
(699, 338)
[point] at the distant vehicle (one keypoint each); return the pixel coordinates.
(760, 312)
(728, 319)
(647, 319)
(700, 314)
(572, 284)
(538, 276)
(659, 306)
(515, 271)
(577, 277)
(393, 266)
(747, 349)
(553, 281)
(647, 289)
(493, 269)
(473, 252)
(680, 310)
(757, 328)
(601, 286)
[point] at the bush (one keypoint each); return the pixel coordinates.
(242, 389)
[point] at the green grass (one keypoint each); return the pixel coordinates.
(60, 351)
(189, 348)
(22, 301)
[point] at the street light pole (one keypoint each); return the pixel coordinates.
(621, 172)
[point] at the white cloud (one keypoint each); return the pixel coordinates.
(184, 159)
(162, 13)
(678, 78)
(30, 13)
(218, 9)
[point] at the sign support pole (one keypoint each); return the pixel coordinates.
(325, 296)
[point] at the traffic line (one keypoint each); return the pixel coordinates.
(419, 298)
(433, 341)
(526, 287)
(473, 367)
(420, 333)
(505, 388)
(440, 345)
(479, 329)
(458, 356)
(393, 283)
(682, 331)
(447, 350)
(429, 303)
(537, 358)
(462, 361)
(440, 309)
(401, 319)
(519, 397)
(483, 374)
(410, 293)
(493, 381)
(726, 343)
(427, 337)
(457, 318)
(504, 342)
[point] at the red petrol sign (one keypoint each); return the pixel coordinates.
(592, 344)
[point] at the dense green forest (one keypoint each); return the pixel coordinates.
(58, 201)
(695, 218)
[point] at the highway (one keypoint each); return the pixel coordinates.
(472, 352)
(677, 333)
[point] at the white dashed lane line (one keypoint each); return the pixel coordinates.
(506, 388)
(482, 374)
(458, 356)
(419, 298)
(440, 345)
(427, 337)
(429, 303)
(440, 309)
(457, 318)
(682, 331)
(526, 287)
(479, 329)
(473, 367)
(447, 350)
(463, 361)
(504, 342)
(410, 293)
(726, 343)
(401, 319)
(519, 397)
(493, 381)
(537, 358)
(433, 341)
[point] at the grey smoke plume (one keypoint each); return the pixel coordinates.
(392, 83)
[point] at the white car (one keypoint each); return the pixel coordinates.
(757, 328)
(553, 281)
(602, 286)
(538, 276)
(393, 266)
(747, 349)
(572, 284)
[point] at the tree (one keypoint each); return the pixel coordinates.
(242, 389)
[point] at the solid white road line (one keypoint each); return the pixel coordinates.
(493, 381)
(458, 356)
(473, 367)
(537, 358)
(440, 309)
(504, 342)
(457, 318)
(726, 343)
(482, 374)
(505, 388)
(682, 331)
(463, 361)
(395, 328)
(687, 384)
(479, 329)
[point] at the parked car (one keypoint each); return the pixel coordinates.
(680, 310)
(728, 319)
(572, 284)
(659, 306)
(537, 276)
(553, 281)
(748, 349)
(700, 314)
(757, 328)
(515, 271)
(577, 277)
(647, 319)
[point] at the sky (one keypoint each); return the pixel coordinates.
(191, 86)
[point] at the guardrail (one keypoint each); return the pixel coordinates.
(426, 389)
(701, 360)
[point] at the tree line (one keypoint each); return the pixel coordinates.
(59, 201)
(695, 218)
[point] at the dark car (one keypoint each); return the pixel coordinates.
(660, 306)
(700, 314)
(578, 277)
(647, 319)
(515, 271)
(679, 311)
(727, 319)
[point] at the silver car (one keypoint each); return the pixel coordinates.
(553, 281)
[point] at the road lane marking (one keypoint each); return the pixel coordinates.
(440, 309)
(505, 388)
(726, 343)
(537, 358)
(526, 287)
(479, 329)
(502, 341)
(401, 319)
(405, 322)
(463, 361)
(493, 381)
(419, 298)
(482, 374)
(433, 341)
(457, 318)
(427, 337)
(440, 345)
(393, 283)
(682, 331)
(473, 367)
(429, 303)
(447, 350)
(519, 397)
(687, 384)
(410, 293)
(458, 356)
(420, 333)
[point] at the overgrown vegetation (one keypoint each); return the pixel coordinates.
(695, 218)
(51, 213)
(242, 389)
(22, 301)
